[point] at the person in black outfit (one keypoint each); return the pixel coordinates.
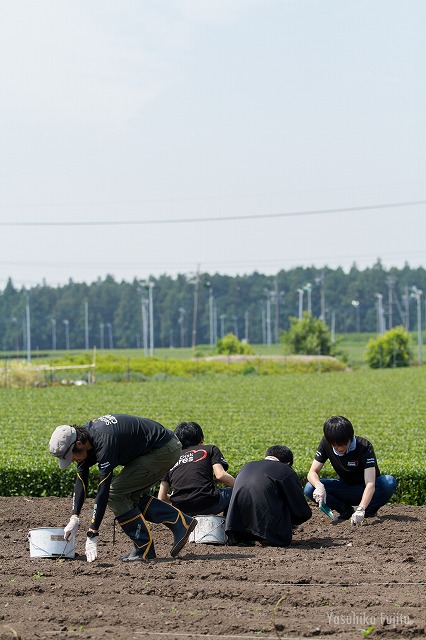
(145, 449)
(358, 479)
(191, 478)
(267, 501)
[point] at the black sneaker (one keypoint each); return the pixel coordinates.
(345, 515)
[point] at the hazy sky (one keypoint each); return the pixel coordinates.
(157, 115)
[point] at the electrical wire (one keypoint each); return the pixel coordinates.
(258, 216)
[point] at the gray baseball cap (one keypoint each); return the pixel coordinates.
(61, 444)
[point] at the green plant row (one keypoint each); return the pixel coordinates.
(242, 415)
(113, 367)
(42, 482)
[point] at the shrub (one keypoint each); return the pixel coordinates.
(230, 345)
(389, 350)
(308, 336)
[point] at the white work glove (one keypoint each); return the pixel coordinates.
(72, 527)
(92, 548)
(358, 516)
(319, 494)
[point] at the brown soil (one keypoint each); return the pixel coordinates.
(335, 581)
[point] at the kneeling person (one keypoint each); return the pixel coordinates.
(267, 501)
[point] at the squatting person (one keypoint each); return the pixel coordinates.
(146, 450)
(191, 478)
(267, 501)
(358, 479)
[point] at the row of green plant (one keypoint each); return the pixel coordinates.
(306, 337)
(243, 415)
(114, 367)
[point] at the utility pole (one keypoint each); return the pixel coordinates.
(320, 280)
(195, 310)
(181, 321)
(277, 296)
(214, 322)
(151, 318)
(277, 311)
(222, 324)
(53, 321)
(380, 318)
(407, 309)
(268, 295)
(28, 323)
(86, 325)
(67, 334)
(246, 326)
(416, 293)
(144, 319)
(308, 288)
(300, 292)
(355, 304)
(391, 283)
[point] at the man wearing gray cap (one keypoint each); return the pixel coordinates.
(146, 450)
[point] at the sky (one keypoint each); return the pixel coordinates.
(149, 137)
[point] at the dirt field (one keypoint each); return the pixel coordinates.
(335, 581)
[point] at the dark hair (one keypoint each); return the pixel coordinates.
(338, 430)
(82, 436)
(189, 433)
(284, 454)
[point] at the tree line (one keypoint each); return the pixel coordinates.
(186, 311)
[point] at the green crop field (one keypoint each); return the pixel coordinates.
(243, 415)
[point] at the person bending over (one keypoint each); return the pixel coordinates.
(145, 449)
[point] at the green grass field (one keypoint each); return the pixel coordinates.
(243, 415)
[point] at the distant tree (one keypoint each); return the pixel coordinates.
(308, 336)
(392, 349)
(230, 345)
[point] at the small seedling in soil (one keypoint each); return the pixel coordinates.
(37, 575)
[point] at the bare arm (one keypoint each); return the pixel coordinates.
(370, 487)
(163, 493)
(222, 475)
(313, 475)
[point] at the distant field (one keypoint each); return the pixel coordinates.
(353, 344)
(243, 415)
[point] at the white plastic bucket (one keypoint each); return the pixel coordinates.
(49, 543)
(209, 530)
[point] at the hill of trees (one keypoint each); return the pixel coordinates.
(185, 311)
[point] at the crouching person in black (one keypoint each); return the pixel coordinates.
(146, 450)
(193, 476)
(267, 501)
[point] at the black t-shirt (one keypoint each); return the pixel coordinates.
(349, 467)
(267, 500)
(192, 478)
(116, 439)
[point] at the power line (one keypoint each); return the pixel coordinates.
(288, 214)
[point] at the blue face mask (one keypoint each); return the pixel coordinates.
(351, 447)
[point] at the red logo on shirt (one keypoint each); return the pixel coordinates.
(199, 454)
